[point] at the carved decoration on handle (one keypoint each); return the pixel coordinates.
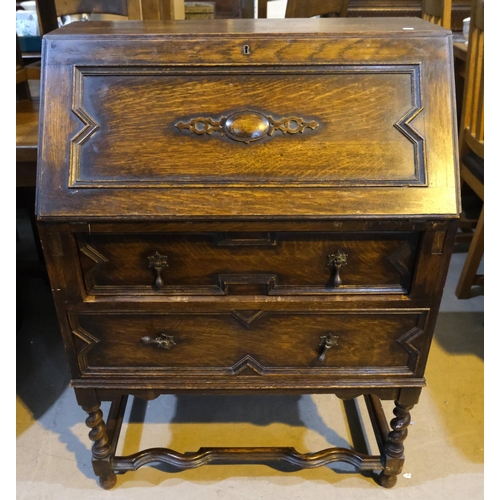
(326, 343)
(164, 341)
(246, 126)
(337, 260)
(158, 262)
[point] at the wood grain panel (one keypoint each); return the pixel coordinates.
(362, 126)
(362, 81)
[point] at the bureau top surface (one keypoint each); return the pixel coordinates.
(248, 118)
(315, 27)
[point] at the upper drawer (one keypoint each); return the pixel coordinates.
(271, 263)
(302, 124)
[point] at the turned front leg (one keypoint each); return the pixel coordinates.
(101, 449)
(394, 450)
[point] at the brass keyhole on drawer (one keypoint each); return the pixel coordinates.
(335, 262)
(326, 342)
(246, 49)
(164, 341)
(158, 262)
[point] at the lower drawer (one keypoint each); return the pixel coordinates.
(236, 343)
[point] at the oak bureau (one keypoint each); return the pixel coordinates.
(246, 207)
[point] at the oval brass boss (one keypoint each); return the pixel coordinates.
(246, 126)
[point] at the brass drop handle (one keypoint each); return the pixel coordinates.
(326, 343)
(337, 260)
(164, 341)
(158, 262)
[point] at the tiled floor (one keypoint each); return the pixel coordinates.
(444, 449)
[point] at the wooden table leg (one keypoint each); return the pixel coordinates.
(105, 437)
(393, 458)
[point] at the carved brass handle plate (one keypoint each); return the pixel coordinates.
(337, 260)
(158, 262)
(164, 341)
(326, 342)
(246, 126)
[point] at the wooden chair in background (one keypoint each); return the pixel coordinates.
(22, 86)
(26, 152)
(49, 10)
(147, 10)
(26, 124)
(27, 96)
(471, 144)
(309, 8)
(313, 8)
(437, 12)
(48, 13)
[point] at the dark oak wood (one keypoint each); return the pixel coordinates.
(248, 207)
(47, 15)
(278, 159)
